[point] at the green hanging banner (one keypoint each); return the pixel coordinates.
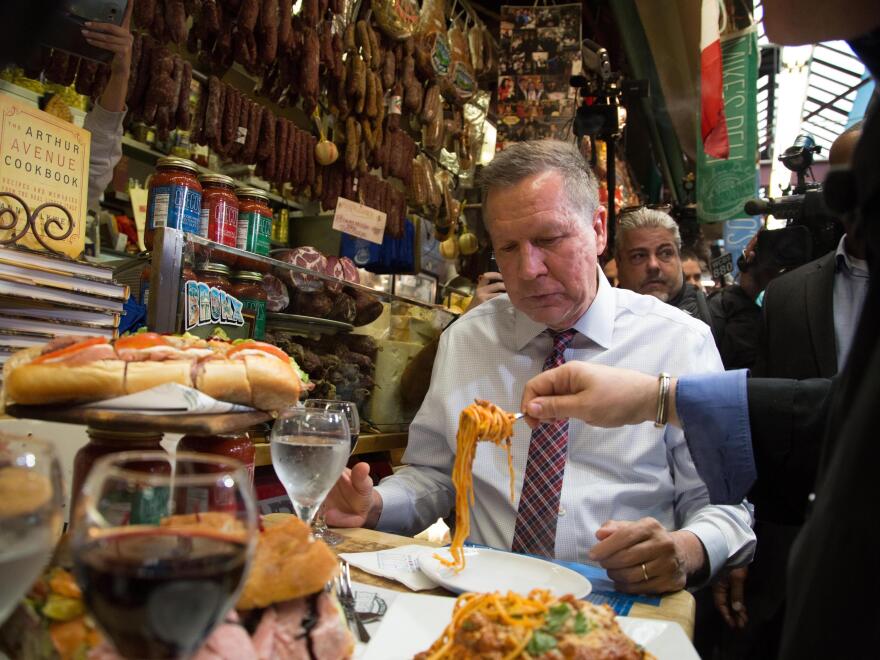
(723, 186)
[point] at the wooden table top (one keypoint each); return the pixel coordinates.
(679, 607)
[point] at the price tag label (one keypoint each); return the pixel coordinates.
(359, 220)
(722, 265)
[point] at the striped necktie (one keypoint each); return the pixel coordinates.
(536, 519)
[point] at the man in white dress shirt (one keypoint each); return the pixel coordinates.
(627, 499)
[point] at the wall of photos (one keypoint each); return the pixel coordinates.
(540, 51)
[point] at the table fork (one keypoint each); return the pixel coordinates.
(346, 597)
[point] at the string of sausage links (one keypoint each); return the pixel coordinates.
(479, 421)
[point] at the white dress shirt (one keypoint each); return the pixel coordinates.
(622, 474)
(850, 291)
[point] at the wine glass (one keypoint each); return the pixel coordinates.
(349, 409)
(161, 547)
(309, 451)
(30, 514)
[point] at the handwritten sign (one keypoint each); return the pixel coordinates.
(44, 159)
(359, 220)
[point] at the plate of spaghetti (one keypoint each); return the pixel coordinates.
(533, 626)
(491, 570)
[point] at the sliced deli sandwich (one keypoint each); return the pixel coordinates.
(79, 370)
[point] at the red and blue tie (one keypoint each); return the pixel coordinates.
(536, 519)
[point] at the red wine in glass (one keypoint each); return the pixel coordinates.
(159, 593)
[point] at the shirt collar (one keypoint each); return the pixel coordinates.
(596, 324)
(844, 260)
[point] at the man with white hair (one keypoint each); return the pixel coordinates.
(629, 500)
(647, 249)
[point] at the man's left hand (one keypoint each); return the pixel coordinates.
(643, 557)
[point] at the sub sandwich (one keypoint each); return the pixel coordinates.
(84, 369)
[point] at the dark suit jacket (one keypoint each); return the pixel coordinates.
(798, 340)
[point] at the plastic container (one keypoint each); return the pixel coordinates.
(247, 286)
(174, 199)
(219, 216)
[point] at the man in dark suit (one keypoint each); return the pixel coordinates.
(810, 314)
(803, 311)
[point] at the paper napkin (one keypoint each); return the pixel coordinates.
(399, 564)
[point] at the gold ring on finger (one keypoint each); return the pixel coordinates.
(645, 572)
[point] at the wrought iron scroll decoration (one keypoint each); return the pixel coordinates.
(53, 226)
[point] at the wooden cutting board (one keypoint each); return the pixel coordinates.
(120, 421)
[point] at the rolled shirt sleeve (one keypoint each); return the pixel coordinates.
(105, 150)
(714, 414)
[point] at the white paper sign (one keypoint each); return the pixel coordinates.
(170, 398)
(359, 220)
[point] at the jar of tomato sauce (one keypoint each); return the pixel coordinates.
(247, 286)
(102, 442)
(254, 221)
(214, 274)
(174, 199)
(219, 218)
(237, 446)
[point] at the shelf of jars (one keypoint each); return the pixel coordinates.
(174, 252)
(141, 151)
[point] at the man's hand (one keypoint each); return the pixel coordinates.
(353, 502)
(602, 396)
(118, 40)
(489, 285)
(729, 595)
(668, 557)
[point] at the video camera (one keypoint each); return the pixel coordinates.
(805, 205)
(601, 113)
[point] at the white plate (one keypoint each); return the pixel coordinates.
(495, 570)
(413, 622)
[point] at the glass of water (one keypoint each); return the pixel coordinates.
(349, 409)
(309, 451)
(30, 514)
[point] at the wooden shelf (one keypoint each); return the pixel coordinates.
(366, 444)
(146, 153)
(122, 420)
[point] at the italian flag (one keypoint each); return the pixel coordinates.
(713, 126)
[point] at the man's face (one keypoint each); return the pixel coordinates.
(692, 273)
(546, 254)
(649, 263)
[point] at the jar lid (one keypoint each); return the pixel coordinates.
(219, 269)
(174, 161)
(220, 179)
(126, 436)
(253, 192)
(252, 275)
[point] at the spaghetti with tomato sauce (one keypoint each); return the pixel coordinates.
(479, 421)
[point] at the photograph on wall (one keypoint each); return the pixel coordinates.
(540, 49)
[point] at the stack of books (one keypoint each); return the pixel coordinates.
(43, 296)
